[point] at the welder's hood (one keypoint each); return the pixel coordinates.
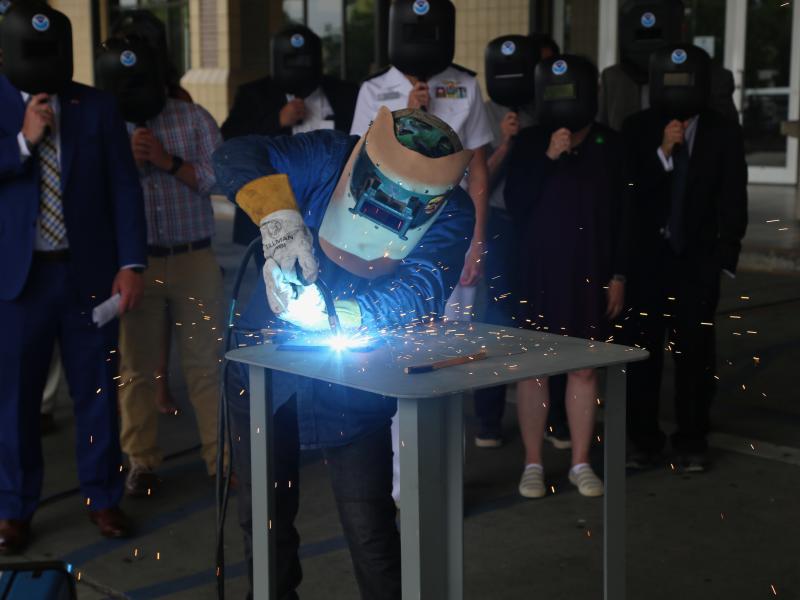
(393, 187)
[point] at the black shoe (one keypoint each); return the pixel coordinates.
(641, 460)
(693, 462)
(141, 482)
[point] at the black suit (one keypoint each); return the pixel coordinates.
(675, 294)
(256, 111)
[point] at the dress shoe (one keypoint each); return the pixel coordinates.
(141, 482)
(111, 522)
(14, 535)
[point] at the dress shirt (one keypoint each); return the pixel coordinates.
(319, 113)
(176, 214)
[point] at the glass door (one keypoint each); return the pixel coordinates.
(762, 49)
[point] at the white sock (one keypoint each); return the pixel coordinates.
(536, 466)
(580, 467)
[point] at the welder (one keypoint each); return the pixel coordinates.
(383, 222)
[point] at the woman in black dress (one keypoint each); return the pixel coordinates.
(566, 192)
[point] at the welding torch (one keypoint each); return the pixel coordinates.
(330, 307)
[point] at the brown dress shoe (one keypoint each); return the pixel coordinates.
(111, 522)
(14, 535)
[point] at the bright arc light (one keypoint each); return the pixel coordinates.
(342, 342)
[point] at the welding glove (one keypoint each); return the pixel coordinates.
(287, 241)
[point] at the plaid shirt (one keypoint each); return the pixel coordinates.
(176, 214)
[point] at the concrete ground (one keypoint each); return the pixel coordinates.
(729, 534)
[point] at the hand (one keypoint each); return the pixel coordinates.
(287, 244)
(307, 310)
(509, 126)
(419, 96)
(147, 148)
(473, 265)
(38, 117)
(616, 298)
(560, 143)
(130, 286)
(673, 135)
(292, 113)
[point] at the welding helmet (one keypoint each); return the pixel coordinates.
(422, 36)
(510, 62)
(37, 48)
(566, 92)
(297, 60)
(645, 26)
(395, 184)
(680, 81)
(130, 70)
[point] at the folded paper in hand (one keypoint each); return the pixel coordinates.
(104, 313)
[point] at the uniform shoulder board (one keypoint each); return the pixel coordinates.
(377, 74)
(464, 69)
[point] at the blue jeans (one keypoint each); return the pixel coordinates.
(361, 476)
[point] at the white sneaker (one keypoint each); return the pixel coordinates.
(586, 481)
(532, 483)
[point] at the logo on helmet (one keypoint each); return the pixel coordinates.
(127, 58)
(40, 22)
(508, 48)
(297, 41)
(648, 20)
(421, 7)
(559, 67)
(679, 56)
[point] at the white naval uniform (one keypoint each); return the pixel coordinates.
(456, 99)
(319, 114)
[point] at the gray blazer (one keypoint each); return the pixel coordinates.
(621, 96)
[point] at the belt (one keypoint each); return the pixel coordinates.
(159, 251)
(51, 255)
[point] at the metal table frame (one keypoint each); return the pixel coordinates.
(432, 459)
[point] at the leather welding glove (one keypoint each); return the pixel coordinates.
(287, 241)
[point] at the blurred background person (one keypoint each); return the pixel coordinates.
(566, 183)
(690, 214)
(645, 26)
(172, 142)
(296, 98)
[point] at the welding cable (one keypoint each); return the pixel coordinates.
(224, 437)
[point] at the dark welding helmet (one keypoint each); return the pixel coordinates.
(566, 92)
(131, 71)
(680, 81)
(37, 48)
(396, 182)
(422, 36)
(645, 26)
(510, 62)
(297, 60)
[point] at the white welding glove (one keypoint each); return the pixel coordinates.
(307, 311)
(287, 244)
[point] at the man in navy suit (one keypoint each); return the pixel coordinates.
(72, 233)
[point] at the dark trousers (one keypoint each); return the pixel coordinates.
(673, 306)
(361, 476)
(51, 309)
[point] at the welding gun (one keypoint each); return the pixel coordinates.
(330, 307)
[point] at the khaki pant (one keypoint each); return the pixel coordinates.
(188, 288)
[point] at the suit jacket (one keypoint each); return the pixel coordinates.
(256, 111)
(621, 96)
(102, 198)
(715, 210)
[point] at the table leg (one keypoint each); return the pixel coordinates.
(263, 489)
(614, 508)
(431, 498)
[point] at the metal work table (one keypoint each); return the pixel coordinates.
(431, 436)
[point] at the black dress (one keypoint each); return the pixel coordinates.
(572, 220)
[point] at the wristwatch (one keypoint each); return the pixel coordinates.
(177, 163)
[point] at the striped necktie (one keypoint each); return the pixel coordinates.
(51, 208)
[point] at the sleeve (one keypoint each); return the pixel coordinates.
(477, 129)
(647, 172)
(125, 191)
(425, 279)
(364, 113)
(528, 168)
(11, 157)
(622, 205)
(732, 200)
(252, 113)
(207, 140)
(239, 161)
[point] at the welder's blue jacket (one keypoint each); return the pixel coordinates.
(332, 415)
